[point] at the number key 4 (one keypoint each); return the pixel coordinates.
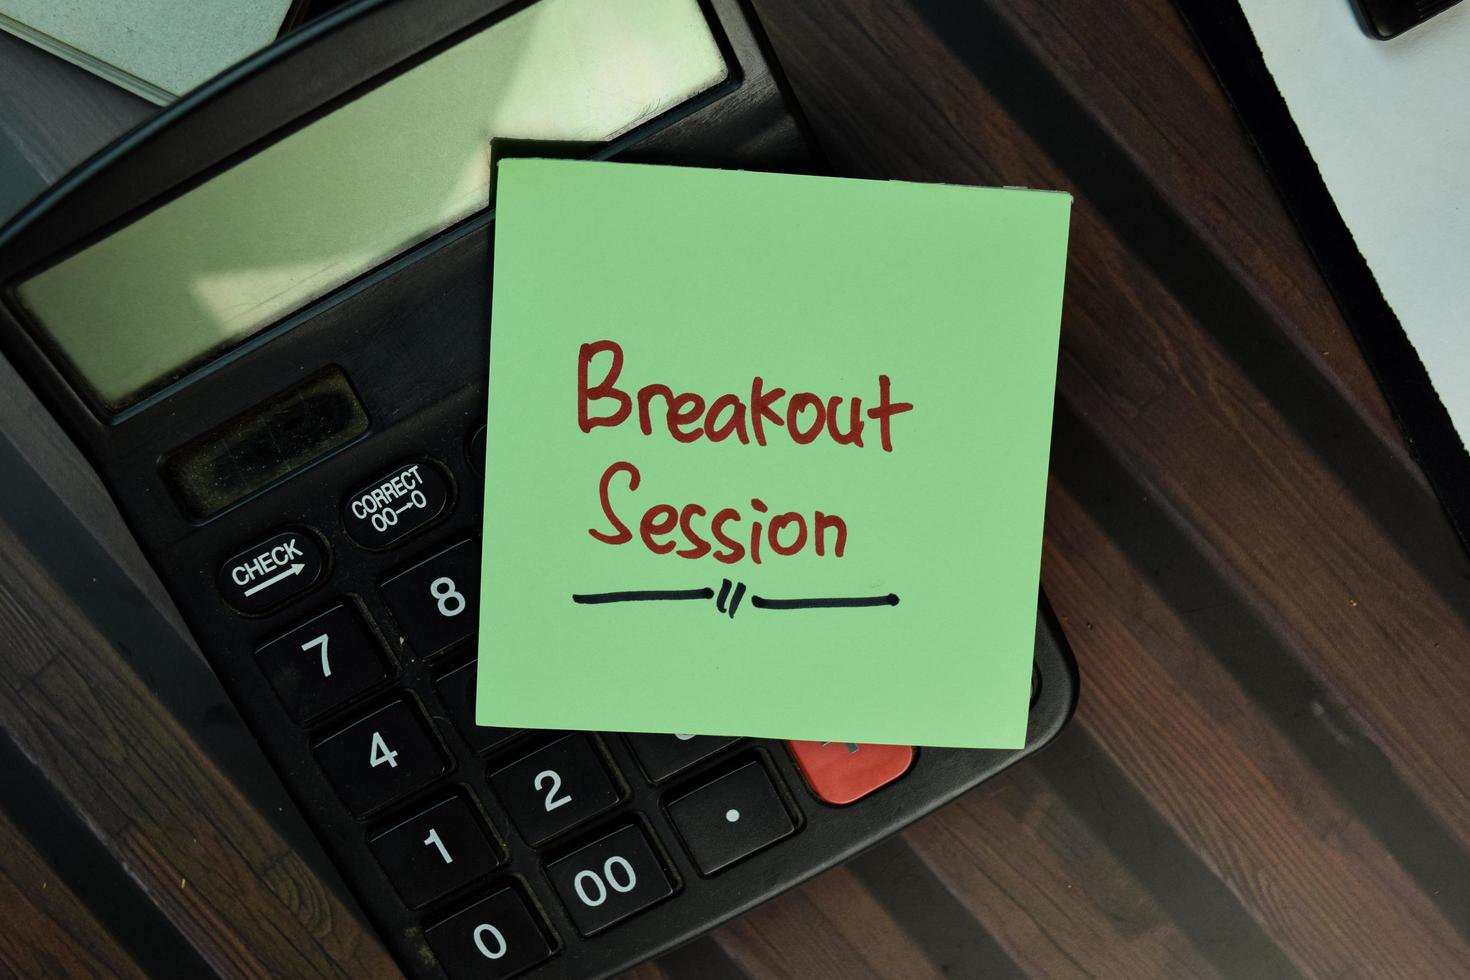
(380, 758)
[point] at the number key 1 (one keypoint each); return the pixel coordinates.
(434, 852)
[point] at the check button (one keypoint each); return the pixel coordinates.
(271, 571)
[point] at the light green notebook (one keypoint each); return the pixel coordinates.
(767, 454)
(158, 49)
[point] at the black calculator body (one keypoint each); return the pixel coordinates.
(309, 492)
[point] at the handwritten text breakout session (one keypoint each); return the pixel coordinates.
(803, 417)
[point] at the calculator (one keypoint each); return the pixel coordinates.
(262, 316)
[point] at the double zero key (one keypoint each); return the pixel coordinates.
(609, 880)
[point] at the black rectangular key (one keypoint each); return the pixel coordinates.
(731, 818)
(664, 755)
(457, 691)
(322, 663)
(434, 852)
(380, 758)
(495, 938)
(555, 788)
(609, 880)
(437, 601)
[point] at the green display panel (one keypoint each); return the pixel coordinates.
(194, 277)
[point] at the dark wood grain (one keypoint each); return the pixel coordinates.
(48, 931)
(1266, 773)
(198, 849)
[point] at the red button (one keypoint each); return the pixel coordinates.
(841, 772)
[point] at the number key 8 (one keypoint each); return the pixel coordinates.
(436, 601)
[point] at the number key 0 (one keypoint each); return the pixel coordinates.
(494, 938)
(555, 788)
(437, 601)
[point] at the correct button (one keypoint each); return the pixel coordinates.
(271, 571)
(394, 504)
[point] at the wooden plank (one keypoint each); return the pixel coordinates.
(832, 927)
(49, 932)
(1050, 890)
(1134, 64)
(196, 846)
(1222, 775)
(1175, 406)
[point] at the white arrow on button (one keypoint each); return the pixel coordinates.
(295, 569)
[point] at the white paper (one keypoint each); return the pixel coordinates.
(1388, 123)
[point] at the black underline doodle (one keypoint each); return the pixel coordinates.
(598, 598)
(727, 602)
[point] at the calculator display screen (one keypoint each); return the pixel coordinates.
(181, 285)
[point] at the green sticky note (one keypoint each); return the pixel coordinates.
(835, 532)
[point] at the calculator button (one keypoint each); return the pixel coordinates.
(493, 939)
(322, 663)
(609, 880)
(731, 818)
(457, 691)
(475, 450)
(842, 772)
(380, 758)
(272, 570)
(555, 788)
(663, 755)
(394, 504)
(437, 601)
(430, 855)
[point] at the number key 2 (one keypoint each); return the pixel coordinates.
(555, 788)
(437, 601)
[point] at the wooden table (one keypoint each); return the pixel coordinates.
(1269, 770)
